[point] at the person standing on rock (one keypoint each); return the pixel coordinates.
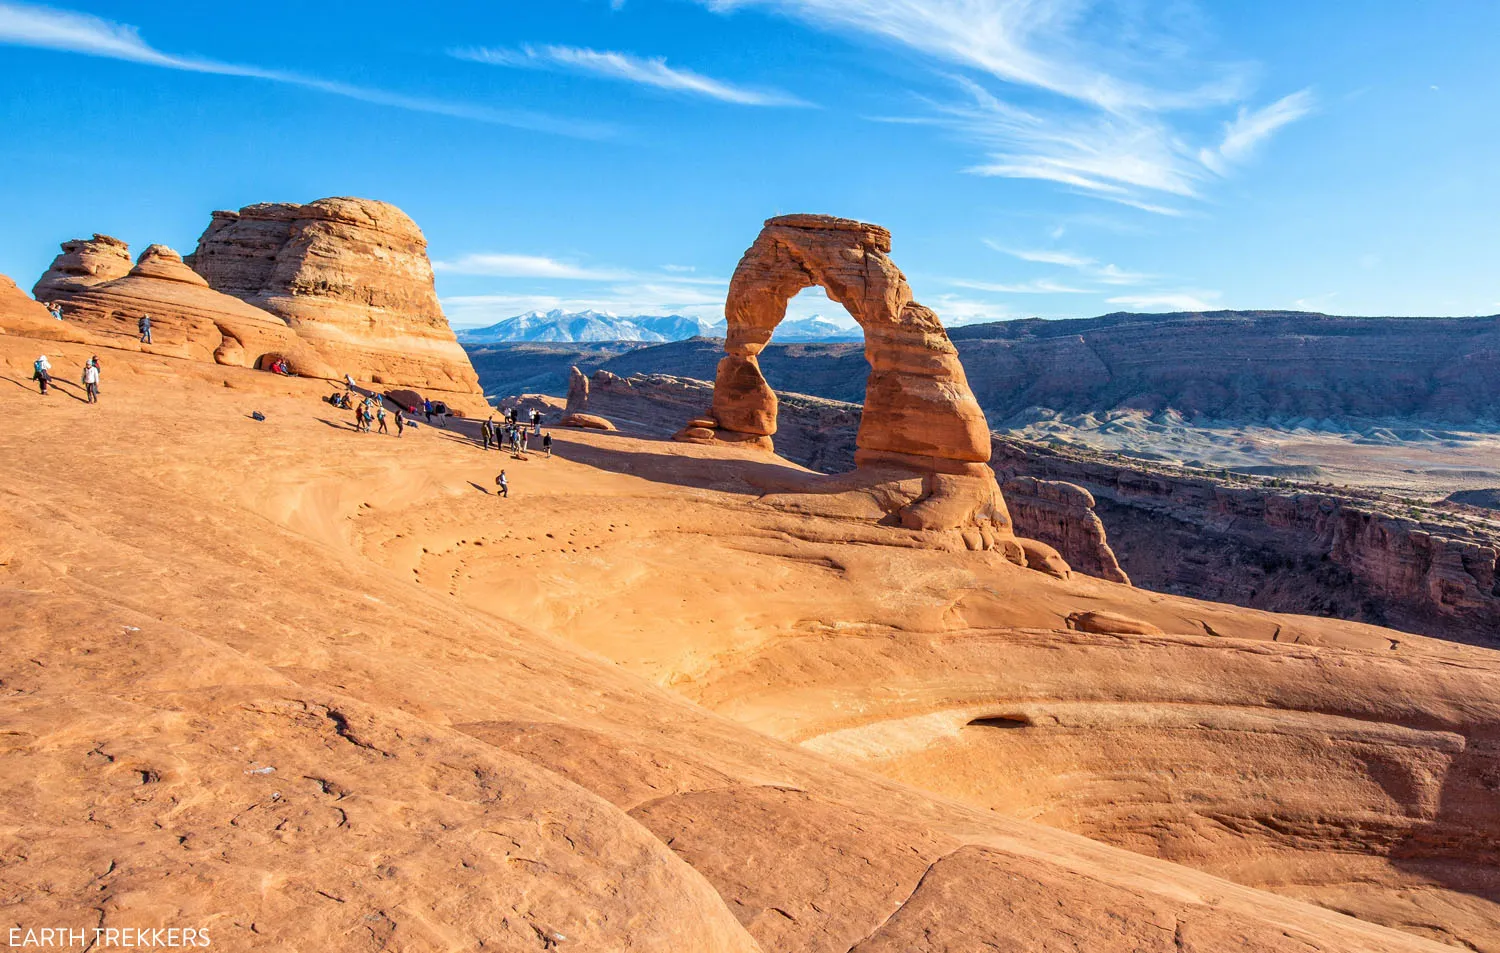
(41, 372)
(547, 444)
(91, 380)
(501, 486)
(400, 422)
(536, 421)
(487, 431)
(380, 416)
(144, 326)
(427, 409)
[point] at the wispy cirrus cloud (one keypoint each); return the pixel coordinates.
(1252, 127)
(1040, 286)
(49, 28)
(1112, 92)
(629, 68)
(502, 265)
(1104, 273)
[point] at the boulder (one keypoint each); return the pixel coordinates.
(587, 422)
(84, 262)
(351, 277)
(1044, 558)
(189, 319)
(1110, 623)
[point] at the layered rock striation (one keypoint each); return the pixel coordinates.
(1366, 557)
(351, 277)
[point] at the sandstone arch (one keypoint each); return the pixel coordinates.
(918, 405)
(919, 413)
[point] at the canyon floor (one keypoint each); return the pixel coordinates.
(1425, 460)
(315, 689)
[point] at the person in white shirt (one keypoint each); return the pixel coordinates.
(91, 380)
(41, 372)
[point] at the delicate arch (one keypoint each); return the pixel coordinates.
(918, 407)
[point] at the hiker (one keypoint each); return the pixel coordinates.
(91, 380)
(502, 487)
(41, 372)
(55, 309)
(487, 431)
(427, 409)
(536, 421)
(547, 443)
(380, 416)
(400, 422)
(349, 382)
(523, 440)
(359, 417)
(144, 326)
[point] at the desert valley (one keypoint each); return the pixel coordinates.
(969, 640)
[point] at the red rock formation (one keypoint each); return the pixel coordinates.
(84, 262)
(189, 319)
(919, 413)
(352, 278)
(22, 316)
(1062, 514)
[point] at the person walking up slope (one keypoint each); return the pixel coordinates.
(501, 486)
(144, 326)
(41, 372)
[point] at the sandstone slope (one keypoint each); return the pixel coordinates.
(318, 689)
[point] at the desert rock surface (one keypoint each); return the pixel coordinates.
(318, 689)
(351, 277)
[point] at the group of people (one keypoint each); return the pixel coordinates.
(369, 414)
(41, 372)
(280, 366)
(513, 435)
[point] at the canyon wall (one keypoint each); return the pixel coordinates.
(1264, 366)
(1365, 557)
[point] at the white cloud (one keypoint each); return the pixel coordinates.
(67, 31)
(955, 310)
(1108, 274)
(497, 265)
(626, 67)
(1034, 43)
(1170, 301)
(1103, 125)
(1251, 127)
(1037, 287)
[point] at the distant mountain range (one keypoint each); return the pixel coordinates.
(562, 327)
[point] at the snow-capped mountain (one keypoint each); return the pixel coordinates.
(584, 326)
(814, 329)
(558, 325)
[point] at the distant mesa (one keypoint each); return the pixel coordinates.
(338, 286)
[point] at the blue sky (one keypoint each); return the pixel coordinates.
(1032, 157)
